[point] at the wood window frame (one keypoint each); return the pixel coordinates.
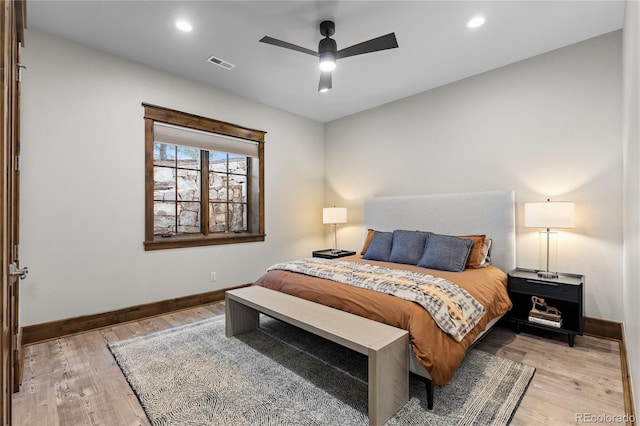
(154, 113)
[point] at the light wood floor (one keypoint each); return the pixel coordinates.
(75, 381)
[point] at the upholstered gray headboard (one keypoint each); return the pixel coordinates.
(491, 213)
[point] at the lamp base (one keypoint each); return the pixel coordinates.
(547, 274)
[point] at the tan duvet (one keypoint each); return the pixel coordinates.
(438, 352)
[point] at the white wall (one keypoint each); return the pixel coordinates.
(631, 126)
(545, 126)
(82, 234)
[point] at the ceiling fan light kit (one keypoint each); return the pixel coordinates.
(327, 56)
(327, 61)
(328, 52)
(327, 47)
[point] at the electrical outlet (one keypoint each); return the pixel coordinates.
(213, 277)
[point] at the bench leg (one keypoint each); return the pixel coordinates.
(239, 318)
(388, 380)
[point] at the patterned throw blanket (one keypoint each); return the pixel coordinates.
(454, 310)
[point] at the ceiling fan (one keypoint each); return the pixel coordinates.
(328, 51)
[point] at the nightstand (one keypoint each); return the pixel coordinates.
(566, 293)
(332, 254)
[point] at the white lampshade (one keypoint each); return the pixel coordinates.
(551, 214)
(334, 215)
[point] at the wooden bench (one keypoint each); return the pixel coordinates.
(386, 346)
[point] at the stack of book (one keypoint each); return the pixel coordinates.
(546, 318)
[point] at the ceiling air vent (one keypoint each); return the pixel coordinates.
(221, 63)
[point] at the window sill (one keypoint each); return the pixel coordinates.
(199, 240)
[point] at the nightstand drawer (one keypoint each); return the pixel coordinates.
(546, 289)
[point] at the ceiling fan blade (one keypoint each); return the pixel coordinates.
(286, 45)
(375, 44)
(325, 81)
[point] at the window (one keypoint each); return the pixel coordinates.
(204, 181)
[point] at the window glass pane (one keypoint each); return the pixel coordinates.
(237, 164)
(188, 218)
(164, 184)
(188, 185)
(217, 187)
(217, 217)
(238, 188)
(164, 154)
(217, 161)
(188, 157)
(237, 217)
(164, 218)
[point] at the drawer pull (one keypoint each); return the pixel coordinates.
(542, 282)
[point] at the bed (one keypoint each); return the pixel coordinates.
(435, 354)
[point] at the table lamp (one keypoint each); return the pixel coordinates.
(552, 214)
(334, 216)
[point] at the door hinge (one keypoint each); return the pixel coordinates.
(20, 68)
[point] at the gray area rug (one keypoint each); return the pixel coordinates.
(281, 375)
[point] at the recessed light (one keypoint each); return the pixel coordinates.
(184, 26)
(476, 22)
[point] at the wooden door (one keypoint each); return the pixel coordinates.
(12, 24)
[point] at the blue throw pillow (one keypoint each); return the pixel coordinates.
(380, 247)
(445, 253)
(407, 246)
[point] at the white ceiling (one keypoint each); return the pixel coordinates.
(436, 47)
